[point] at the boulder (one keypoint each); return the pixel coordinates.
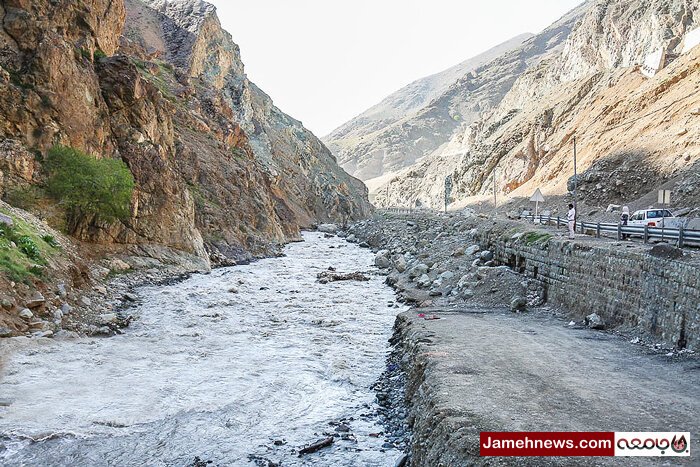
(472, 250)
(107, 318)
(26, 314)
(351, 238)
(486, 255)
(381, 260)
(5, 332)
(418, 270)
(424, 281)
(594, 321)
(328, 228)
(7, 303)
(118, 265)
(36, 301)
(518, 304)
(447, 275)
(400, 264)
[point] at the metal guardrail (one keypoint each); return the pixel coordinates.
(682, 237)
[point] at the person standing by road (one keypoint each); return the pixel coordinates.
(624, 219)
(571, 218)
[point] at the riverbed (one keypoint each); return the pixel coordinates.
(242, 366)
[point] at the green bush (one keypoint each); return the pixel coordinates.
(51, 241)
(27, 246)
(89, 186)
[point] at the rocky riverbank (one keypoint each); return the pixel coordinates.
(485, 348)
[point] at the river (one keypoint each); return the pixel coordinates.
(205, 373)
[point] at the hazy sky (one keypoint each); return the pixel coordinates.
(325, 61)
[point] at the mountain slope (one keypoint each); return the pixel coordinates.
(220, 171)
(400, 129)
(634, 133)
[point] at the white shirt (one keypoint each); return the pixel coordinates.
(571, 216)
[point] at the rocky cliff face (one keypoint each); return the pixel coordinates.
(220, 170)
(416, 120)
(642, 131)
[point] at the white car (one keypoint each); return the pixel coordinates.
(654, 218)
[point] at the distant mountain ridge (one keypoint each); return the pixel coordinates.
(396, 132)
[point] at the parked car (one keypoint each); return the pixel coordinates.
(654, 218)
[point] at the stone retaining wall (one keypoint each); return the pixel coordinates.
(627, 287)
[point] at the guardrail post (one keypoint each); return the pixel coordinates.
(558, 222)
(619, 231)
(646, 234)
(597, 233)
(680, 236)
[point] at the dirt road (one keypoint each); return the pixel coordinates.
(499, 371)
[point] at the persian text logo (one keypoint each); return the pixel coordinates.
(663, 444)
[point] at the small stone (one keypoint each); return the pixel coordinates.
(26, 314)
(572, 323)
(594, 321)
(66, 309)
(7, 304)
(5, 332)
(458, 252)
(85, 301)
(364, 245)
(233, 290)
(100, 289)
(58, 315)
(61, 290)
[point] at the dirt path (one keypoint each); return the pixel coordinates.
(498, 371)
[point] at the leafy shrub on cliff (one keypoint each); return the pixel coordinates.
(88, 186)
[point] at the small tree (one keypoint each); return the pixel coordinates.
(86, 185)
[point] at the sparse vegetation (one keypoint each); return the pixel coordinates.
(533, 237)
(27, 198)
(22, 251)
(87, 186)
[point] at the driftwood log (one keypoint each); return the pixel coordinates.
(324, 443)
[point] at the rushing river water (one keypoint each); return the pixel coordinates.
(207, 373)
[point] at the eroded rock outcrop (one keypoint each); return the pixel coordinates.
(219, 169)
(590, 88)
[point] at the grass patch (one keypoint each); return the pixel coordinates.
(23, 251)
(533, 237)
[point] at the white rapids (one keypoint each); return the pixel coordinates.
(206, 374)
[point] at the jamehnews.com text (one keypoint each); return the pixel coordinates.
(661, 444)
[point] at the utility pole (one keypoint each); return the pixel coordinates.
(575, 180)
(495, 202)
